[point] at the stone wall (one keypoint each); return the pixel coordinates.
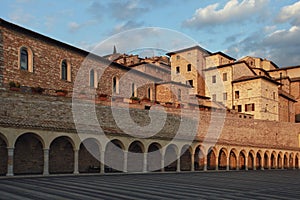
(56, 112)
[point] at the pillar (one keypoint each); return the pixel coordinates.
(227, 162)
(162, 163)
(46, 162)
(193, 162)
(178, 163)
(145, 162)
(254, 162)
(10, 162)
(205, 163)
(125, 161)
(217, 163)
(76, 161)
(246, 162)
(102, 166)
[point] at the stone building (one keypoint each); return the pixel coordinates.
(39, 133)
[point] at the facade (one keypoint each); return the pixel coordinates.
(38, 134)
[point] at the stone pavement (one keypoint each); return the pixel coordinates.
(276, 184)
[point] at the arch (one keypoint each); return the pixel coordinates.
(170, 159)
(61, 155)
(266, 160)
(65, 70)
(135, 159)
(211, 159)
(297, 161)
(154, 157)
(3, 155)
(259, 164)
(114, 156)
(115, 85)
(25, 59)
(291, 161)
(222, 162)
(232, 160)
(89, 156)
(279, 160)
(242, 160)
(285, 161)
(28, 154)
(185, 158)
(199, 159)
(251, 160)
(273, 160)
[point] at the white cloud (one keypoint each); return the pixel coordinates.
(233, 11)
(126, 26)
(290, 13)
(74, 26)
(20, 16)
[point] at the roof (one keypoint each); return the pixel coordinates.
(248, 78)
(172, 82)
(225, 65)
(151, 65)
(275, 65)
(188, 49)
(287, 95)
(285, 68)
(223, 54)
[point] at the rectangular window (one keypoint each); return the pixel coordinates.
(237, 94)
(249, 107)
(239, 108)
(224, 76)
(274, 95)
(225, 96)
(214, 79)
(190, 82)
(177, 57)
(177, 70)
(189, 67)
(214, 97)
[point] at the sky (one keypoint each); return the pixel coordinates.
(263, 28)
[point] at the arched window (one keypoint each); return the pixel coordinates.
(115, 85)
(24, 59)
(133, 90)
(64, 70)
(92, 78)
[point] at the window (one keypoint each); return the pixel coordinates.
(225, 96)
(93, 79)
(274, 95)
(24, 59)
(189, 67)
(249, 107)
(64, 70)
(237, 94)
(149, 94)
(224, 76)
(214, 79)
(177, 70)
(214, 97)
(178, 57)
(115, 85)
(179, 94)
(133, 90)
(239, 108)
(190, 83)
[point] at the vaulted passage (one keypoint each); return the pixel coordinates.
(291, 161)
(185, 159)
(242, 161)
(222, 160)
(258, 161)
(266, 161)
(154, 158)
(273, 161)
(114, 156)
(61, 156)
(171, 158)
(285, 162)
(89, 157)
(28, 155)
(250, 161)
(199, 159)
(232, 161)
(135, 157)
(3, 157)
(211, 160)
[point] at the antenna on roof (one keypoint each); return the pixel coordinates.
(115, 50)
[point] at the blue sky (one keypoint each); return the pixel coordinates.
(263, 28)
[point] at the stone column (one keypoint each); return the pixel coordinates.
(102, 160)
(193, 162)
(145, 163)
(76, 161)
(178, 163)
(46, 162)
(217, 163)
(238, 163)
(10, 161)
(205, 163)
(254, 162)
(125, 161)
(246, 162)
(162, 163)
(269, 163)
(227, 163)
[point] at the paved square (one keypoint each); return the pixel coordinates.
(211, 185)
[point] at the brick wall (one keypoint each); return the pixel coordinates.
(1, 60)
